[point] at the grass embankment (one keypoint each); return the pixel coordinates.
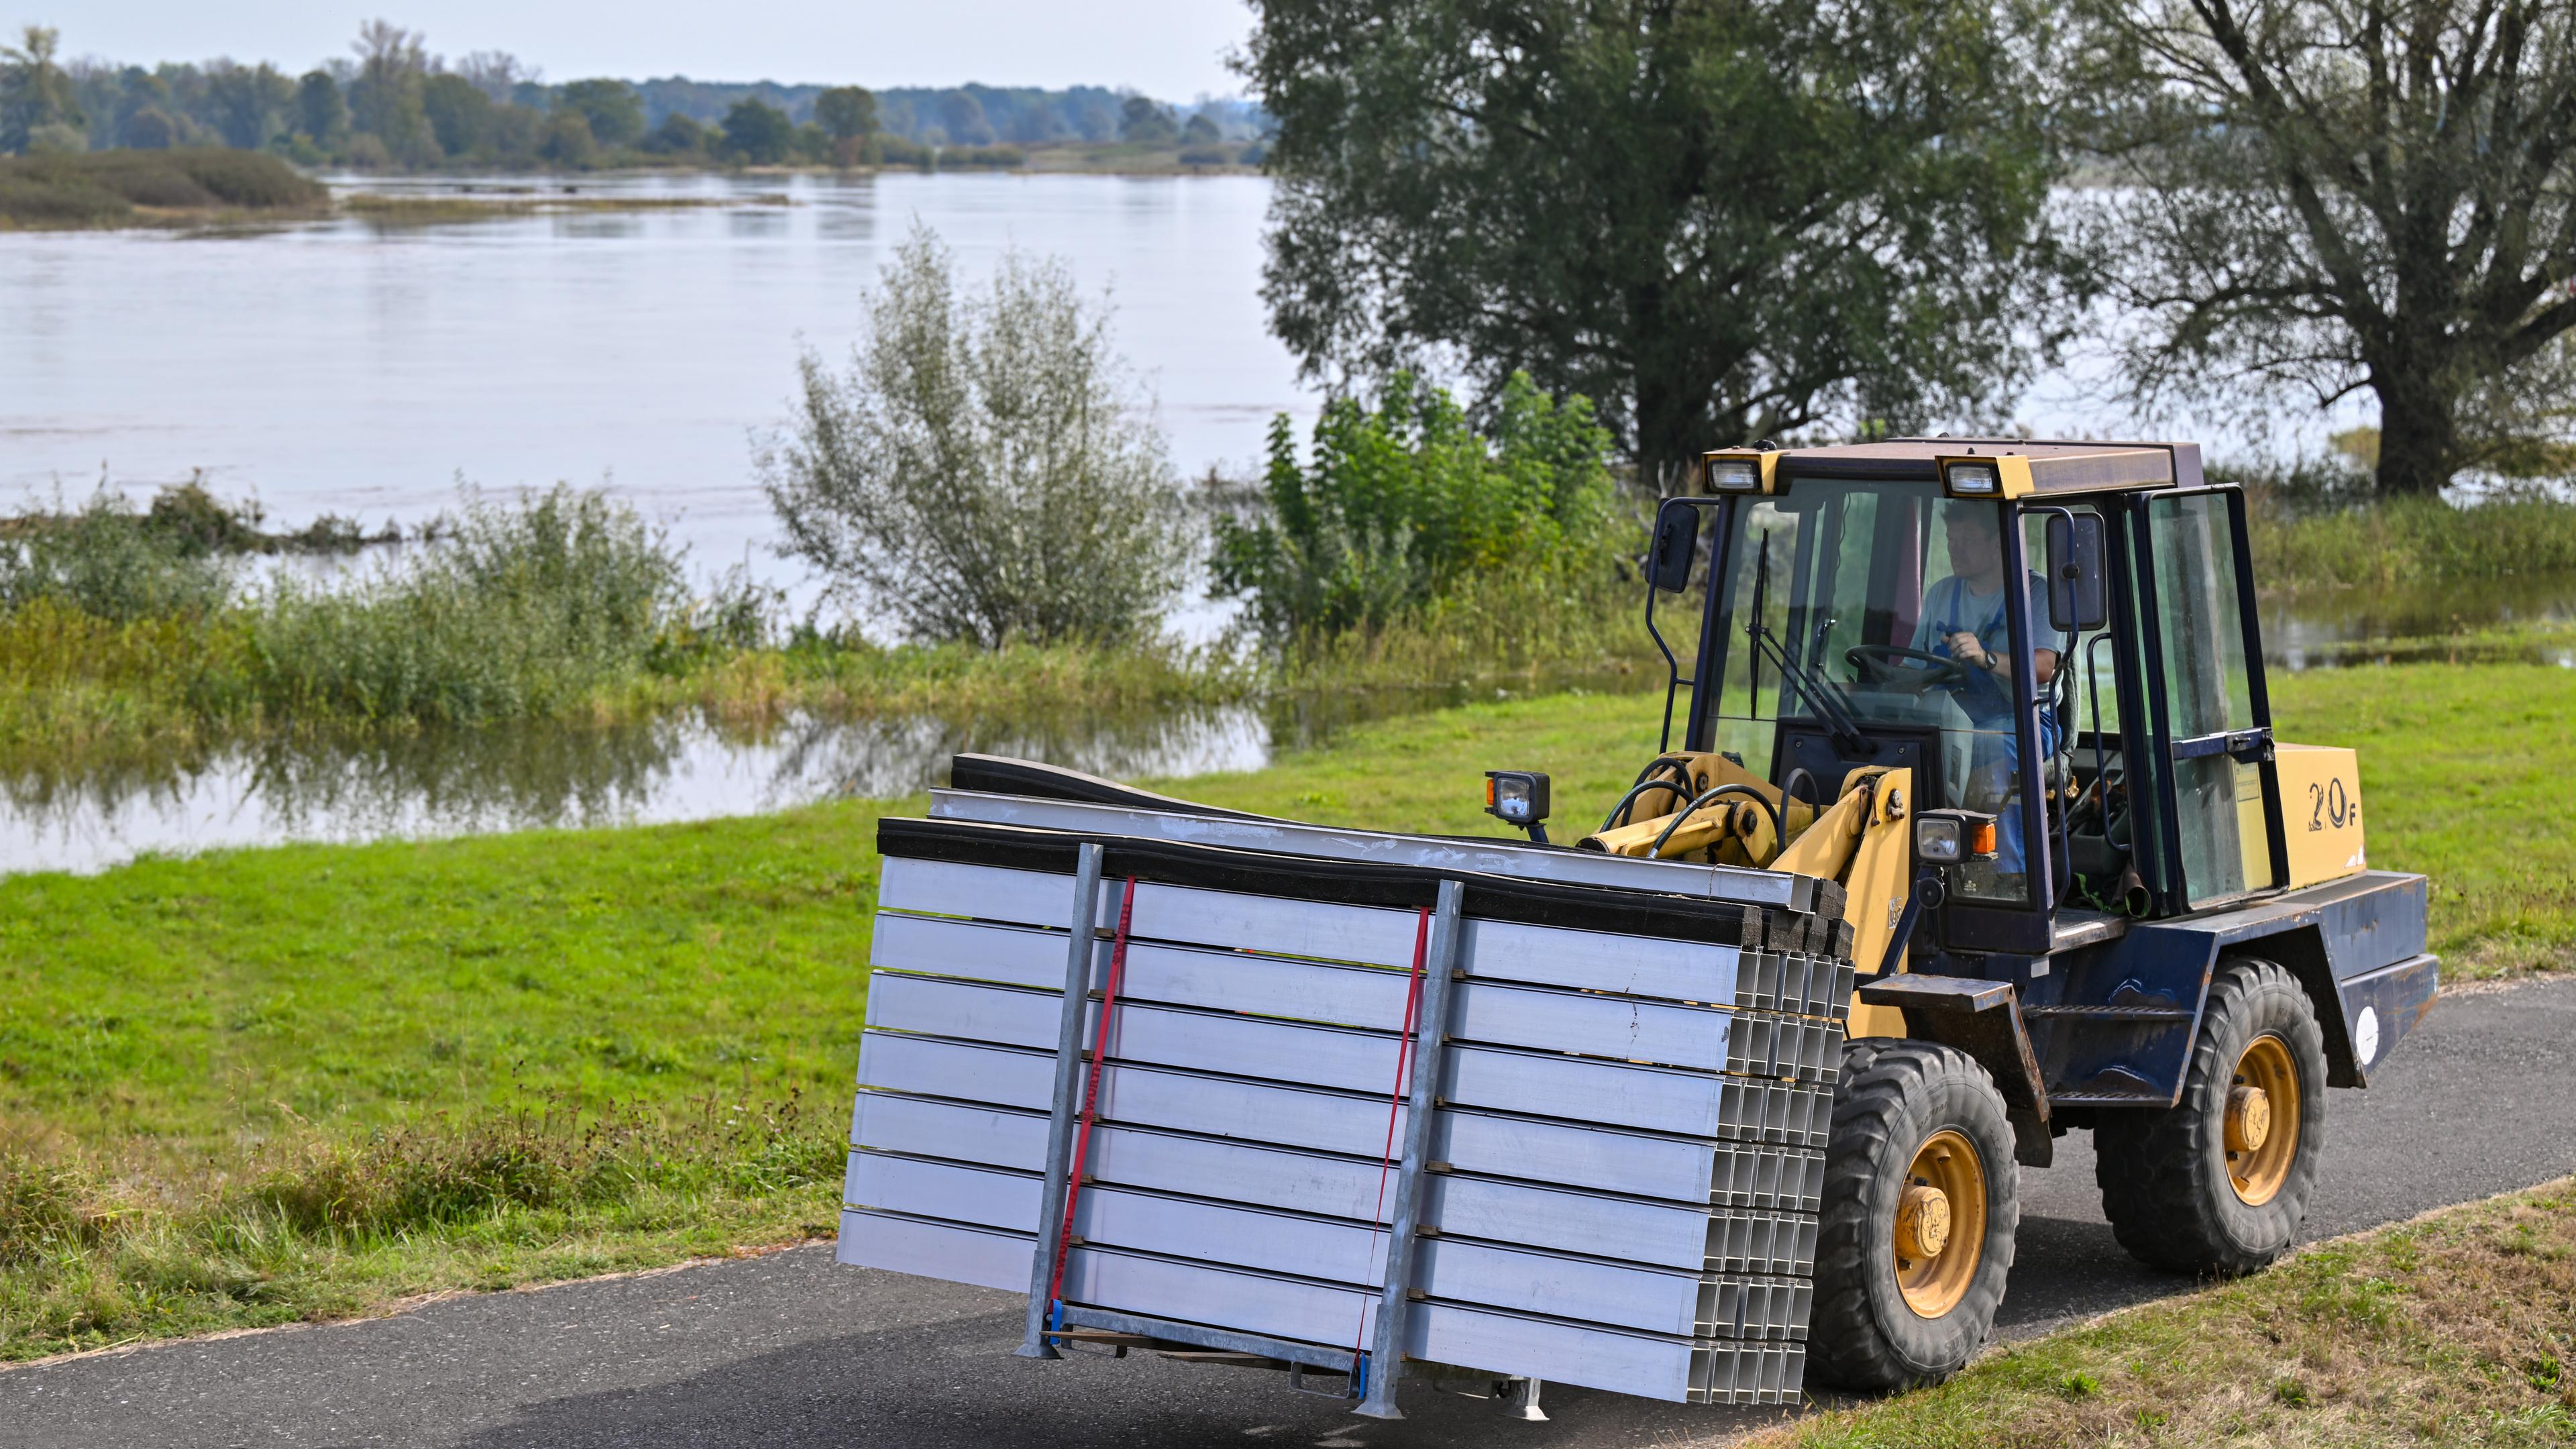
(2452, 1329)
(270, 1085)
(153, 188)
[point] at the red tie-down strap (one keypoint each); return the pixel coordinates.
(1091, 1088)
(1405, 1054)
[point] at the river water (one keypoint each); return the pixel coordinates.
(362, 369)
(365, 370)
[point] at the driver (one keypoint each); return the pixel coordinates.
(1964, 620)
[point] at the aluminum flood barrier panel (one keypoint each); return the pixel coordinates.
(1349, 1112)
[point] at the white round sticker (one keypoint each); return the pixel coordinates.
(2365, 1036)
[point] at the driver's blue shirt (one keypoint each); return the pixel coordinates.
(1951, 607)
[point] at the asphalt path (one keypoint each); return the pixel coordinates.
(791, 1350)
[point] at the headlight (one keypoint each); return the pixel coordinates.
(1974, 478)
(1516, 797)
(1947, 837)
(1734, 475)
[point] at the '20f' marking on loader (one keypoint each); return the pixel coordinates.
(2328, 803)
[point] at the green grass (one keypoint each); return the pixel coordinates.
(2452, 1329)
(517, 1057)
(2463, 773)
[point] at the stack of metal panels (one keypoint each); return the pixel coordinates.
(1618, 1186)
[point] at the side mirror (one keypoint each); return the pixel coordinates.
(2077, 597)
(1668, 563)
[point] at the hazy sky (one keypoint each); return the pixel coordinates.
(1173, 49)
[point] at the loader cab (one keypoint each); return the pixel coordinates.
(2061, 635)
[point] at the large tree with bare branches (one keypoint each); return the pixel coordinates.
(2350, 195)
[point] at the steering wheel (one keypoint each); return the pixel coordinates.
(1875, 663)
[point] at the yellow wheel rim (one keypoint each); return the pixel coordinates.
(2262, 1120)
(1940, 1233)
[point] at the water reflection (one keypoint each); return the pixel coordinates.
(462, 782)
(2327, 627)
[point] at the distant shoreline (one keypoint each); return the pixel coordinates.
(202, 190)
(1053, 161)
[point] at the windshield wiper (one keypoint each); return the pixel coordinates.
(1824, 699)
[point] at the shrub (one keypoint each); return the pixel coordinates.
(1401, 504)
(998, 157)
(2318, 525)
(248, 178)
(106, 560)
(103, 186)
(984, 471)
(36, 199)
(519, 611)
(897, 151)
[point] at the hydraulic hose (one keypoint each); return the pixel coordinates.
(1618, 812)
(1716, 793)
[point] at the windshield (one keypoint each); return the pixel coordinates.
(1880, 609)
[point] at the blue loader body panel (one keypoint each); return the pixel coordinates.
(2112, 1024)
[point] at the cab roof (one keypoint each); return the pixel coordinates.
(2055, 466)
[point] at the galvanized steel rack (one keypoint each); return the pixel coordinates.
(1602, 1168)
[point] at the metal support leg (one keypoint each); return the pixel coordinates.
(1386, 1351)
(1524, 1401)
(1078, 959)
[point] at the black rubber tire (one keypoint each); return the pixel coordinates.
(1893, 1095)
(2163, 1173)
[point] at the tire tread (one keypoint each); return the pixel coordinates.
(1883, 1082)
(2151, 1166)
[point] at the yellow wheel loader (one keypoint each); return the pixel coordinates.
(1968, 829)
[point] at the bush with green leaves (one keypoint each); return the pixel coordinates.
(1405, 502)
(518, 611)
(112, 562)
(985, 471)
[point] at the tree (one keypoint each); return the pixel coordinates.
(678, 135)
(985, 470)
(1201, 132)
(1402, 503)
(848, 114)
(566, 140)
(460, 113)
(148, 129)
(385, 100)
(962, 117)
(613, 109)
(246, 103)
(514, 133)
(497, 74)
(1146, 123)
(34, 92)
(1719, 221)
(320, 112)
(758, 133)
(2335, 196)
